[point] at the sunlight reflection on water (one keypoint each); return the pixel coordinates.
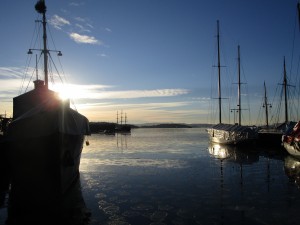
(144, 148)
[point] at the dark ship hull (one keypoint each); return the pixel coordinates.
(45, 141)
(45, 145)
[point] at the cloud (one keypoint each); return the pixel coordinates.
(148, 106)
(87, 24)
(96, 92)
(58, 22)
(166, 111)
(85, 39)
(82, 28)
(9, 75)
(129, 94)
(11, 72)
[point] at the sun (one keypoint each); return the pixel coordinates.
(66, 91)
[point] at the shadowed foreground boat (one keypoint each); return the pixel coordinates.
(45, 141)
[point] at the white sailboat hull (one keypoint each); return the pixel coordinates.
(232, 134)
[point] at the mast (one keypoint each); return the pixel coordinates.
(239, 86)
(117, 117)
(41, 8)
(219, 74)
(285, 92)
(266, 105)
(121, 117)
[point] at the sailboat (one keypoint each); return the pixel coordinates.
(270, 135)
(45, 139)
(231, 134)
(290, 134)
(291, 138)
(122, 127)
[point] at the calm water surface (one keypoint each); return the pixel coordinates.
(174, 176)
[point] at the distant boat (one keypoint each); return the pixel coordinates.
(45, 137)
(231, 134)
(122, 127)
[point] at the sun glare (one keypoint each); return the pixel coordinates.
(67, 91)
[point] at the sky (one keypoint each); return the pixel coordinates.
(155, 61)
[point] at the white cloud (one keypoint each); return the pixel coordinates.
(131, 106)
(11, 72)
(58, 22)
(137, 94)
(78, 38)
(89, 25)
(82, 28)
(95, 92)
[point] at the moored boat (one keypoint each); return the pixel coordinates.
(291, 139)
(45, 140)
(270, 135)
(232, 134)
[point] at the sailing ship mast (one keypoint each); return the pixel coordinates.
(239, 86)
(117, 117)
(41, 8)
(239, 106)
(285, 92)
(121, 117)
(219, 74)
(266, 104)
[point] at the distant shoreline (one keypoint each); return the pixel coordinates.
(97, 127)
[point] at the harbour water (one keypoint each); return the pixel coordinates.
(174, 176)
